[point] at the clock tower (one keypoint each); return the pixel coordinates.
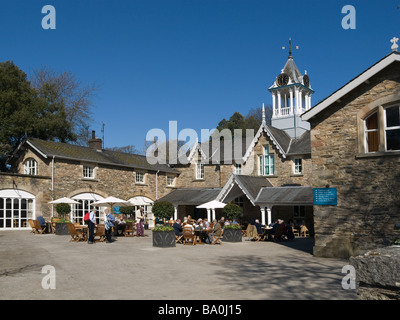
(291, 96)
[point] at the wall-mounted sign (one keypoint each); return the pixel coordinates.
(325, 196)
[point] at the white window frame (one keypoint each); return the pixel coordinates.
(199, 170)
(170, 181)
(139, 177)
(31, 167)
(238, 168)
(366, 131)
(88, 171)
(389, 128)
(298, 166)
(271, 164)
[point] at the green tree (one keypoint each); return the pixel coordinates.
(24, 113)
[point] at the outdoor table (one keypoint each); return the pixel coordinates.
(200, 235)
(85, 230)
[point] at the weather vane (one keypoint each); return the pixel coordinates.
(290, 48)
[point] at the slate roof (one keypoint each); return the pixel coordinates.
(286, 195)
(107, 157)
(192, 196)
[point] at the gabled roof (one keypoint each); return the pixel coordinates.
(66, 151)
(249, 185)
(352, 85)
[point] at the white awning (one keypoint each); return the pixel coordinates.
(15, 193)
(141, 201)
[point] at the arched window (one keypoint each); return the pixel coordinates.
(31, 167)
(16, 208)
(85, 200)
(392, 128)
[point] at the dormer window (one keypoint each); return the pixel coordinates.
(31, 167)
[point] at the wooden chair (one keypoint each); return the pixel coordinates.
(178, 239)
(188, 235)
(75, 234)
(296, 232)
(38, 227)
(129, 230)
(244, 231)
(100, 232)
(279, 233)
(32, 225)
(218, 240)
(304, 231)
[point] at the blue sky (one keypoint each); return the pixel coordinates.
(192, 61)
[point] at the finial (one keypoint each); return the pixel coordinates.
(395, 46)
(290, 48)
(263, 113)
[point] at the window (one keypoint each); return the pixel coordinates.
(30, 167)
(392, 129)
(298, 166)
(266, 163)
(299, 211)
(238, 168)
(380, 130)
(199, 170)
(170, 181)
(139, 177)
(372, 133)
(88, 172)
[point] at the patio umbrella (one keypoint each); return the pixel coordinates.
(214, 204)
(64, 200)
(111, 202)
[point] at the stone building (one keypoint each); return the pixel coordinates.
(277, 156)
(44, 171)
(355, 148)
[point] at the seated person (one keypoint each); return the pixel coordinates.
(178, 227)
(206, 224)
(258, 226)
(217, 230)
(42, 222)
(234, 222)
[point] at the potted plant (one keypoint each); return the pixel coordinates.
(232, 232)
(61, 225)
(163, 236)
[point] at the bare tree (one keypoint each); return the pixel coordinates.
(67, 89)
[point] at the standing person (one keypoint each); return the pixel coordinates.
(108, 223)
(139, 222)
(91, 225)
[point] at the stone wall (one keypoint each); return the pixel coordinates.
(367, 210)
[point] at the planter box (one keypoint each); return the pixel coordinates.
(164, 239)
(232, 235)
(62, 228)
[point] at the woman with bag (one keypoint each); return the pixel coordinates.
(108, 224)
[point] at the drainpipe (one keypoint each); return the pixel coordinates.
(52, 186)
(157, 184)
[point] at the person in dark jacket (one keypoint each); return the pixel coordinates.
(178, 227)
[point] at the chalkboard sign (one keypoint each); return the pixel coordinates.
(325, 196)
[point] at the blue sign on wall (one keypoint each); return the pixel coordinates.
(325, 196)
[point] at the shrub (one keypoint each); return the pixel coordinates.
(130, 210)
(233, 226)
(232, 211)
(163, 228)
(163, 210)
(63, 209)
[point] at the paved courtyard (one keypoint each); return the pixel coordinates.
(131, 268)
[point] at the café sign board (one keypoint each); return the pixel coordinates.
(325, 196)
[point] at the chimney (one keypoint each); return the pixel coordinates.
(95, 143)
